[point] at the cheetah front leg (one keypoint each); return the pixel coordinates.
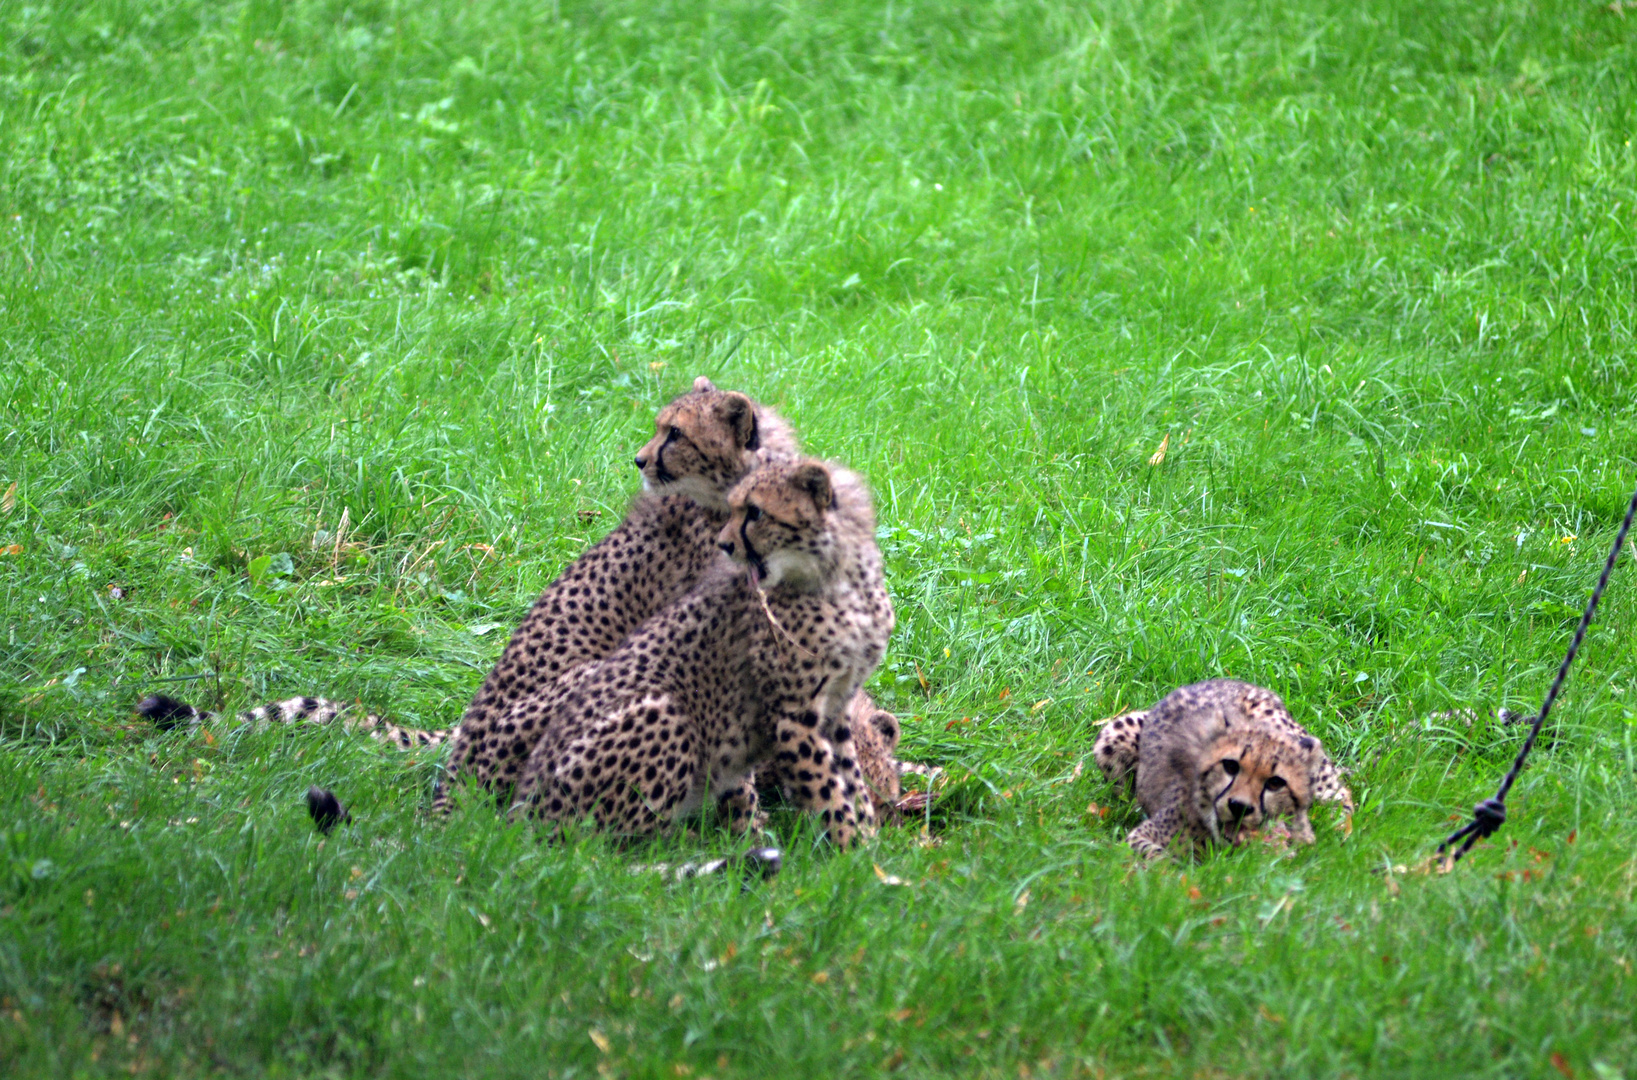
(819, 778)
(1152, 837)
(1117, 747)
(1328, 786)
(741, 807)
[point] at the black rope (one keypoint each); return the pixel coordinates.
(1489, 815)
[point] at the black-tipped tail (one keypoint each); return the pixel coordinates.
(166, 712)
(763, 862)
(326, 810)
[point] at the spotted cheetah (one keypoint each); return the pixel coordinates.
(704, 442)
(756, 666)
(1214, 761)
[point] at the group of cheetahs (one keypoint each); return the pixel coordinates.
(722, 634)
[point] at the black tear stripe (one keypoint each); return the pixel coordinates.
(665, 475)
(752, 556)
(755, 440)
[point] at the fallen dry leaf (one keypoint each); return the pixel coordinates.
(1562, 1065)
(1159, 455)
(600, 1039)
(8, 501)
(886, 878)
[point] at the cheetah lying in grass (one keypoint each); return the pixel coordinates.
(1214, 763)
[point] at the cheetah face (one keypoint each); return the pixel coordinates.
(778, 525)
(1250, 779)
(703, 442)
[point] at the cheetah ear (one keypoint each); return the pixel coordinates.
(740, 416)
(703, 385)
(1312, 749)
(814, 479)
(887, 724)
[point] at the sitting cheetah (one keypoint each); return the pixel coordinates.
(1214, 761)
(756, 666)
(705, 441)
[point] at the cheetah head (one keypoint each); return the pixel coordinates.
(875, 734)
(1249, 778)
(706, 440)
(780, 525)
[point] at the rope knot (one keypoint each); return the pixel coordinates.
(1487, 817)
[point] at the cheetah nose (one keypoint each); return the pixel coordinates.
(1239, 808)
(642, 463)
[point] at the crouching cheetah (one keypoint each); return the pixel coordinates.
(1215, 761)
(755, 667)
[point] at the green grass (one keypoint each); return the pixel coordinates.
(434, 265)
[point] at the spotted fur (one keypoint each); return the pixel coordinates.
(167, 712)
(704, 442)
(1215, 761)
(755, 667)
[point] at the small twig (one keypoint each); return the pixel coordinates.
(773, 622)
(340, 538)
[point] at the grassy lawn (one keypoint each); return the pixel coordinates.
(378, 298)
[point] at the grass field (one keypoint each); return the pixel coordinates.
(428, 268)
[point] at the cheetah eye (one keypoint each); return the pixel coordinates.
(752, 513)
(1230, 766)
(1275, 783)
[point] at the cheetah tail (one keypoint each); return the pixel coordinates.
(756, 864)
(167, 713)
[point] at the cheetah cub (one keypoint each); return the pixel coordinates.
(705, 441)
(1216, 761)
(755, 667)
